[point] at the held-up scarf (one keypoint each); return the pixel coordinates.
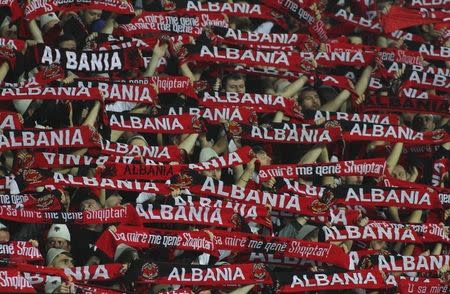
(126, 214)
(35, 8)
(90, 61)
(399, 263)
(60, 180)
(43, 77)
(429, 232)
(405, 104)
(440, 167)
(315, 26)
(169, 124)
(364, 279)
(123, 92)
(256, 213)
(443, 193)
(10, 120)
(255, 40)
(278, 133)
(399, 17)
(375, 196)
(369, 233)
(148, 238)
(38, 276)
(54, 93)
(406, 285)
(12, 281)
(240, 9)
(279, 247)
(371, 132)
(160, 153)
(264, 103)
(158, 172)
(20, 251)
(425, 80)
(195, 215)
(339, 217)
(165, 85)
(15, 44)
(373, 26)
(429, 51)
(232, 274)
(206, 186)
(49, 160)
(75, 137)
(278, 59)
(162, 22)
(364, 167)
(310, 116)
(214, 115)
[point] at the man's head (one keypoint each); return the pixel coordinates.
(424, 122)
(206, 154)
(138, 140)
(399, 172)
(59, 258)
(58, 237)
(90, 15)
(90, 204)
(262, 155)
(67, 41)
(309, 99)
(234, 83)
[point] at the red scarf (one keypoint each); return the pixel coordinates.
(369, 233)
(170, 124)
(432, 263)
(215, 114)
(160, 153)
(196, 215)
(372, 197)
(364, 279)
(400, 17)
(384, 119)
(404, 104)
(371, 132)
(158, 172)
(365, 167)
(75, 137)
(206, 186)
(90, 61)
(279, 247)
(145, 238)
(277, 59)
(13, 282)
(126, 214)
(406, 285)
(259, 102)
(20, 251)
(277, 134)
(219, 276)
(10, 120)
(35, 8)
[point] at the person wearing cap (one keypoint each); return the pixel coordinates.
(207, 154)
(59, 258)
(58, 237)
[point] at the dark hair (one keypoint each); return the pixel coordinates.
(233, 76)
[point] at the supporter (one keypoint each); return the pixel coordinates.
(58, 237)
